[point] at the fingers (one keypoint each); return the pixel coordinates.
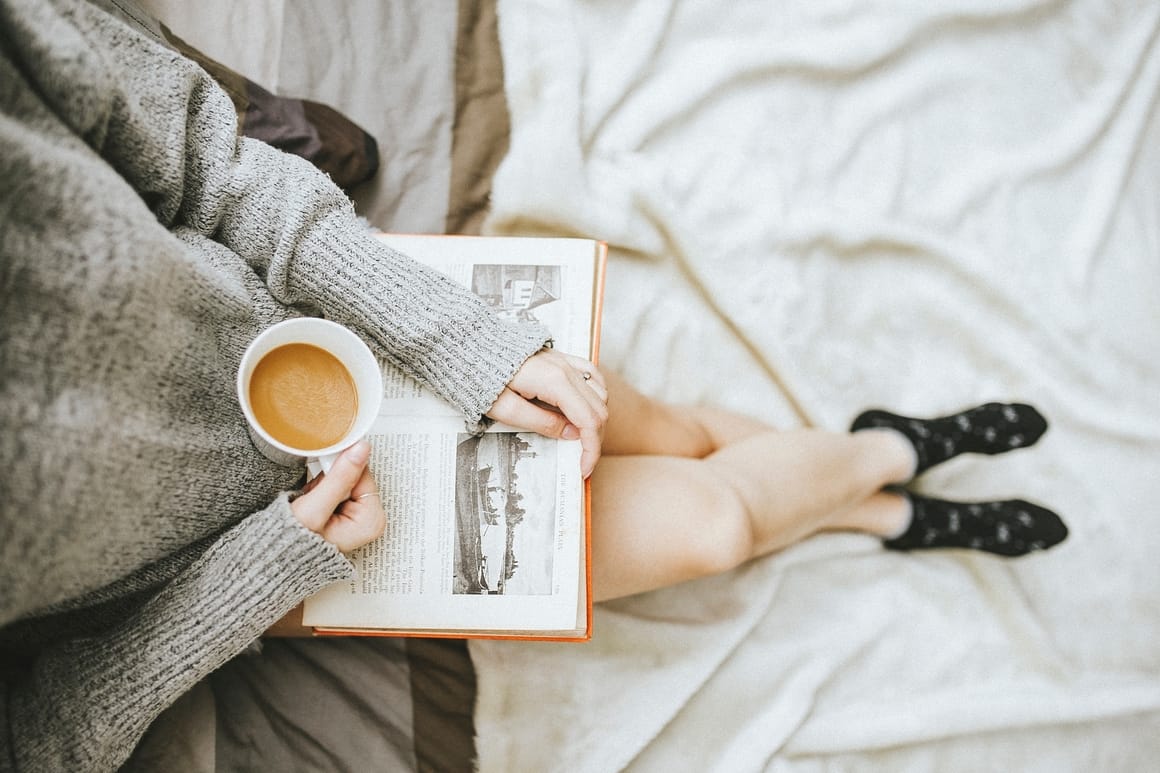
(359, 519)
(511, 408)
(598, 388)
(592, 377)
(587, 410)
(343, 504)
(315, 506)
(574, 386)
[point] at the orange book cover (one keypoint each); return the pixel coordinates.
(487, 560)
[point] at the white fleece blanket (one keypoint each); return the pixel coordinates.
(815, 207)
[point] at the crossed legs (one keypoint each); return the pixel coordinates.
(685, 492)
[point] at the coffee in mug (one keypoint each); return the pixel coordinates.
(309, 389)
(303, 396)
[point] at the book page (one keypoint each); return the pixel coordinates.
(483, 532)
(550, 281)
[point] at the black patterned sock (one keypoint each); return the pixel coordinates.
(986, 429)
(1011, 527)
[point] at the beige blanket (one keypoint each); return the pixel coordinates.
(819, 206)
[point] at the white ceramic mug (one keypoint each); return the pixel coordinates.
(350, 350)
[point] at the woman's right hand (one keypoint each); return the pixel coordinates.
(343, 505)
(561, 396)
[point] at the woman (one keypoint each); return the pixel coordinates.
(144, 541)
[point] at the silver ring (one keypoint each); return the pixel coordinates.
(586, 375)
(368, 494)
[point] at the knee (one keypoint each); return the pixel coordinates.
(728, 539)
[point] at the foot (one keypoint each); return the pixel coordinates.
(993, 428)
(1011, 527)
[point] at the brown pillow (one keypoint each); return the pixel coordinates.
(312, 130)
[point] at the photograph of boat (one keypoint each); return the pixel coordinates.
(504, 514)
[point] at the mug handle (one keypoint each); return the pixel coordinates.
(316, 465)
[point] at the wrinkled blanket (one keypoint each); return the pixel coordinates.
(815, 207)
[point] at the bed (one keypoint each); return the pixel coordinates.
(812, 208)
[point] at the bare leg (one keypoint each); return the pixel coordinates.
(641, 425)
(730, 490)
(884, 514)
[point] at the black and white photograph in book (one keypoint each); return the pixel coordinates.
(518, 292)
(505, 514)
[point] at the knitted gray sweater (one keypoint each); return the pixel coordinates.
(143, 540)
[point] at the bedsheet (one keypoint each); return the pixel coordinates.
(815, 207)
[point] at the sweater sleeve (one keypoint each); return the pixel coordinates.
(171, 132)
(87, 702)
(317, 257)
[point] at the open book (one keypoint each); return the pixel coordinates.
(486, 536)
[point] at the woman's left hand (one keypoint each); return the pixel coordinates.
(343, 505)
(557, 395)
